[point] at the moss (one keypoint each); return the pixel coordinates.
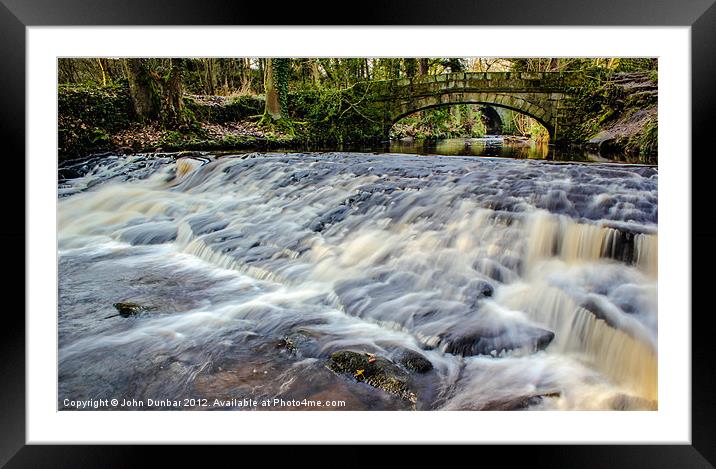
(643, 146)
(127, 309)
(649, 139)
(415, 361)
(606, 115)
(375, 371)
(174, 140)
(604, 100)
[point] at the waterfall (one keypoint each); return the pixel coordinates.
(481, 265)
(625, 357)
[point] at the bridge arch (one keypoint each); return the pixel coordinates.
(544, 96)
(516, 102)
(494, 122)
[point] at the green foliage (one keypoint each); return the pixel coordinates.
(105, 107)
(595, 101)
(236, 109)
(649, 140)
(331, 115)
(636, 65)
(442, 122)
(87, 115)
(76, 138)
(174, 141)
(325, 100)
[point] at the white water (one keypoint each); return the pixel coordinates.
(472, 262)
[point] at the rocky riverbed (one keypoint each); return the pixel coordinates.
(385, 282)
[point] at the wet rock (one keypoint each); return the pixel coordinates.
(202, 224)
(623, 246)
(129, 309)
(494, 341)
(331, 217)
(477, 290)
(519, 402)
(315, 382)
(299, 344)
(150, 233)
(415, 361)
(375, 371)
(602, 141)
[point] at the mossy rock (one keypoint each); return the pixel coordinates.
(127, 309)
(376, 371)
(415, 361)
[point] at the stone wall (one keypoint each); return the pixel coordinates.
(543, 96)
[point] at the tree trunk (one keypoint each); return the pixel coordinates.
(410, 66)
(210, 76)
(173, 102)
(154, 97)
(424, 65)
(276, 86)
(273, 106)
(103, 71)
(315, 73)
(143, 88)
(245, 75)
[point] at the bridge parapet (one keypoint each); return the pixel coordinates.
(513, 80)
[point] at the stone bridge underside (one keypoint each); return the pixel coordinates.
(543, 96)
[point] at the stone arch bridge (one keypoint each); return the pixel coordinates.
(542, 95)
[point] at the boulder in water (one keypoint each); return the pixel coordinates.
(299, 344)
(379, 372)
(494, 341)
(415, 361)
(477, 290)
(129, 309)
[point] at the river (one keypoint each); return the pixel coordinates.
(525, 284)
(502, 146)
(505, 146)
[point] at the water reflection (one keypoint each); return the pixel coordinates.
(494, 145)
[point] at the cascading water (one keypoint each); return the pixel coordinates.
(526, 284)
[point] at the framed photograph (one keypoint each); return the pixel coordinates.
(420, 220)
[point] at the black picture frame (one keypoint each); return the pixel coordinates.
(17, 15)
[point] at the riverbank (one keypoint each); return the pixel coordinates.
(619, 116)
(618, 120)
(99, 119)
